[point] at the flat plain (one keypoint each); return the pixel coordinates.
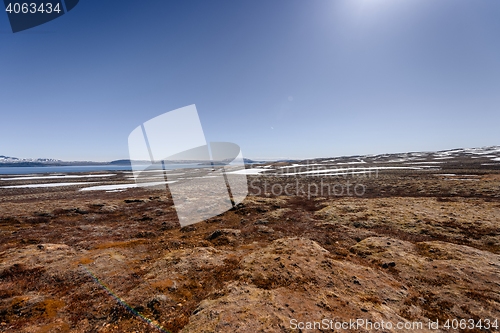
(401, 238)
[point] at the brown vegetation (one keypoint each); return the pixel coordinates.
(408, 250)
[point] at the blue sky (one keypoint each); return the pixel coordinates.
(280, 78)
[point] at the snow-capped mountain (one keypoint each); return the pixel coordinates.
(492, 153)
(7, 159)
(483, 156)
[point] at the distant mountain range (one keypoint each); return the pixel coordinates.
(491, 153)
(7, 161)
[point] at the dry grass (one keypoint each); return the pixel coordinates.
(122, 244)
(143, 226)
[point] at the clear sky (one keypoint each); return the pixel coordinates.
(281, 78)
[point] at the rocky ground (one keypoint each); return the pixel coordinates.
(417, 246)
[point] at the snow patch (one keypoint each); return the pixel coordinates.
(58, 177)
(122, 186)
(48, 185)
(248, 171)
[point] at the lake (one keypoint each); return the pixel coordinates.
(83, 168)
